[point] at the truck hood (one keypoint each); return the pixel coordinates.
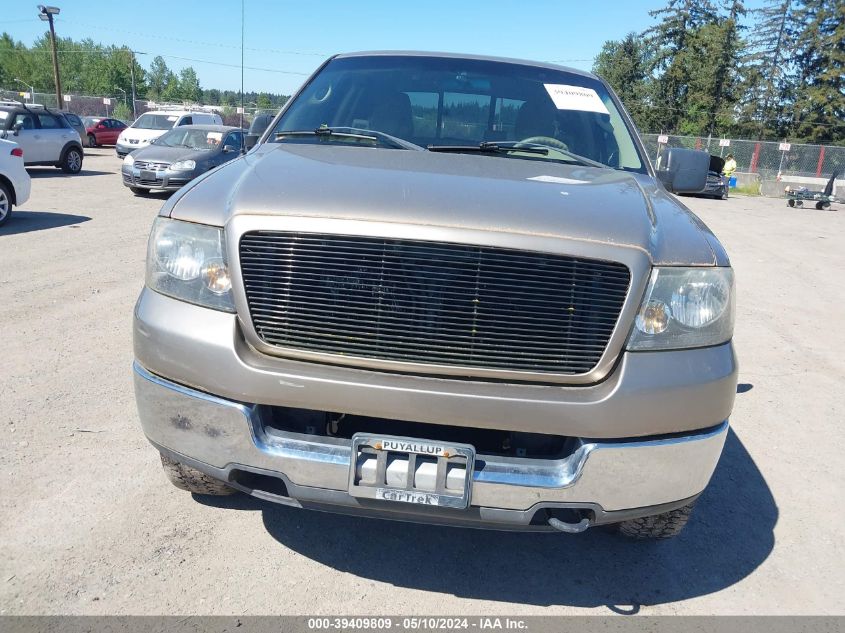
(481, 192)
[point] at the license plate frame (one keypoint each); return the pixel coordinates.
(449, 458)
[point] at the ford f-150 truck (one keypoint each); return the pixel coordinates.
(447, 289)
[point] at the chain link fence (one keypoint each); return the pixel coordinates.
(83, 105)
(768, 160)
(90, 105)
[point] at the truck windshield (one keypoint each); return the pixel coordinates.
(439, 101)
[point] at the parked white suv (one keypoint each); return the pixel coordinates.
(14, 181)
(151, 125)
(45, 137)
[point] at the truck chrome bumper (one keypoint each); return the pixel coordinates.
(616, 479)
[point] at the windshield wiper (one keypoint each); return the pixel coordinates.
(506, 147)
(489, 147)
(372, 136)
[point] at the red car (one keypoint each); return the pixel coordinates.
(103, 131)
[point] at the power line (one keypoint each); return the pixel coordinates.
(189, 59)
(204, 43)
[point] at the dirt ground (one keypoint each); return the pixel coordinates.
(89, 525)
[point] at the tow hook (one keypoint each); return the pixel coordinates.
(569, 528)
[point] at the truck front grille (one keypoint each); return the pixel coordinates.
(431, 303)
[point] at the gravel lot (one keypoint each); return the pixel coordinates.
(89, 525)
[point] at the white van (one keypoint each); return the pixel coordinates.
(153, 124)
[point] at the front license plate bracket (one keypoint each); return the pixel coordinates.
(407, 470)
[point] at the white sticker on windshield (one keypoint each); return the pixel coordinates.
(214, 136)
(172, 118)
(3, 114)
(576, 98)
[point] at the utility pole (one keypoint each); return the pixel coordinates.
(132, 73)
(46, 15)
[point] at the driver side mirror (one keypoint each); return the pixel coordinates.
(229, 148)
(17, 128)
(683, 170)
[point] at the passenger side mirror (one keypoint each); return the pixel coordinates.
(683, 170)
(250, 140)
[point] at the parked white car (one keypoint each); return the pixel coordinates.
(14, 180)
(151, 125)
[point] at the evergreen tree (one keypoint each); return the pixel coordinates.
(819, 34)
(189, 85)
(672, 61)
(624, 64)
(767, 77)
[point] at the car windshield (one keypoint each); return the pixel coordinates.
(193, 139)
(155, 121)
(435, 102)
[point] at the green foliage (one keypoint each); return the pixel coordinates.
(625, 65)
(122, 111)
(85, 66)
(695, 73)
(819, 103)
(89, 68)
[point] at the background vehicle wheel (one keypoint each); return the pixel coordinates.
(72, 161)
(92, 140)
(724, 196)
(790, 203)
(138, 191)
(799, 203)
(193, 480)
(5, 203)
(820, 205)
(659, 526)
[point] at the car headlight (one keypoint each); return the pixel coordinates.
(187, 261)
(685, 307)
(183, 165)
(128, 160)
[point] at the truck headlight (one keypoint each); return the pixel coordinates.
(685, 307)
(183, 165)
(187, 261)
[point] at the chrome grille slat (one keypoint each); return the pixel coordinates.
(154, 166)
(431, 303)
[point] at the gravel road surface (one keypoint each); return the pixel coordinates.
(89, 525)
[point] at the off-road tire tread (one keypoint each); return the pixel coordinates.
(193, 480)
(658, 526)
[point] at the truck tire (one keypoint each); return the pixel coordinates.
(193, 480)
(658, 526)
